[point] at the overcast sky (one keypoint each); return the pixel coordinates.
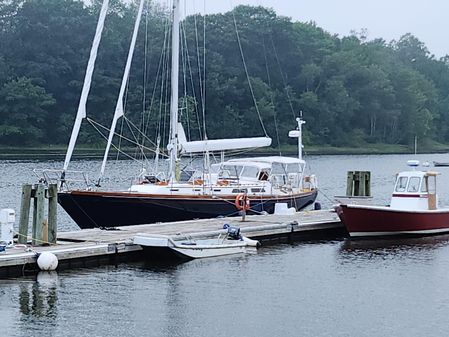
(428, 20)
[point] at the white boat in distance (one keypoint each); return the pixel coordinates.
(252, 185)
(225, 244)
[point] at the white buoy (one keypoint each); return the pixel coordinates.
(47, 261)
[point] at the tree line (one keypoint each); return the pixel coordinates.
(351, 91)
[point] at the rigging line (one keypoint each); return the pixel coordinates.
(159, 75)
(161, 119)
(247, 74)
(167, 101)
(130, 123)
(326, 196)
(165, 91)
(204, 69)
(138, 147)
(97, 127)
(184, 67)
(92, 123)
(199, 70)
(189, 66)
(284, 81)
(271, 95)
(125, 103)
(184, 56)
(145, 69)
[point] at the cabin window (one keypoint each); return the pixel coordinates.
(263, 175)
(230, 171)
(239, 190)
(250, 172)
(401, 184)
(257, 190)
(186, 175)
(294, 168)
(214, 168)
(278, 169)
(413, 184)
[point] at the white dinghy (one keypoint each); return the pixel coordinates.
(232, 242)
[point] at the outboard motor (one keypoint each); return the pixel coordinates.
(233, 232)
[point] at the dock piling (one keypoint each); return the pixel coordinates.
(52, 195)
(358, 184)
(44, 230)
(24, 213)
(38, 215)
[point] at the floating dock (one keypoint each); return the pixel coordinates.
(93, 247)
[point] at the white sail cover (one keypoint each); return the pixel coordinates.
(212, 145)
(224, 144)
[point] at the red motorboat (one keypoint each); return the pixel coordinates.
(413, 209)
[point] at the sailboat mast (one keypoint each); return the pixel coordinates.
(81, 113)
(119, 110)
(300, 122)
(173, 148)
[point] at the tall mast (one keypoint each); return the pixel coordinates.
(119, 106)
(81, 113)
(298, 134)
(300, 122)
(173, 146)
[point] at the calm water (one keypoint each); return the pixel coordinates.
(329, 288)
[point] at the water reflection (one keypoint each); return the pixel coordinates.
(414, 248)
(39, 299)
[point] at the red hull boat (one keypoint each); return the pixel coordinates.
(361, 220)
(413, 209)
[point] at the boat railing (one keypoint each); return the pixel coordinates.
(64, 179)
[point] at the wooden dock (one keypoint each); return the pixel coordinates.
(92, 247)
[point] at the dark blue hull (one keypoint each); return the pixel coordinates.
(110, 209)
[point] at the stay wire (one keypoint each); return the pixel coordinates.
(271, 96)
(246, 72)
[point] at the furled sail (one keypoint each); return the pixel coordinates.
(81, 113)
(119, 106)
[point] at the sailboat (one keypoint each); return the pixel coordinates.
(228, 188)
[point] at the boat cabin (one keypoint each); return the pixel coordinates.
(279, 171)
(415, 190)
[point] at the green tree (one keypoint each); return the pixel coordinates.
(23, 110)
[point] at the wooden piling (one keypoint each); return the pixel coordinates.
(44, 230)
(52, 195)
(350, 184)
(358, 183)
(24, 213)
(38, 215)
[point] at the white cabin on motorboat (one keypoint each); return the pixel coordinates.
(415, 190)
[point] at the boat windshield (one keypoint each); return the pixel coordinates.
(250, 172)
(401, 184)
(282, 168)
(238, 172)
(413, 184)
(409, 184)
(230, 171)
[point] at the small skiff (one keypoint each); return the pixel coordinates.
(225, 244)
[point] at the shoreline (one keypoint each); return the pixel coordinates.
(58, 152)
